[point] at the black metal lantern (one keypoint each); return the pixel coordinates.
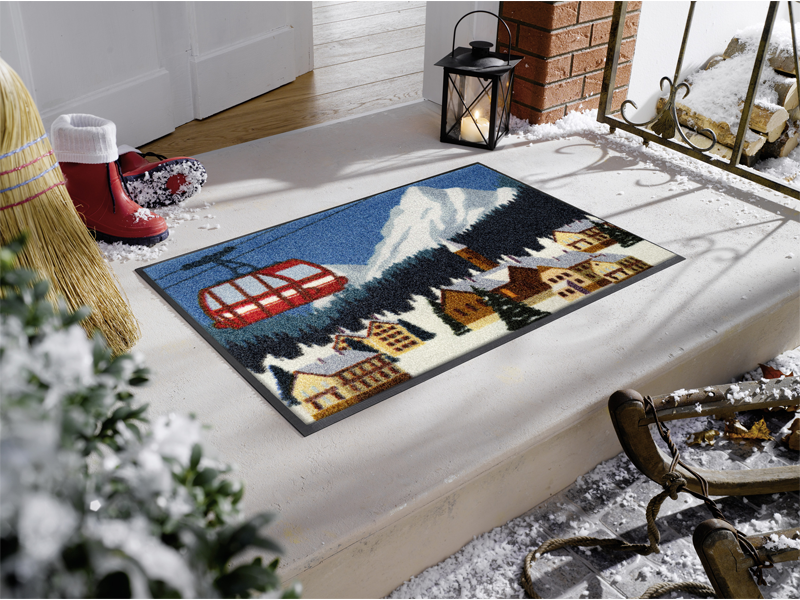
(476, 98)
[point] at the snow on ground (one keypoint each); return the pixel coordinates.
(653, 156)
(175, 215)
(609, 501)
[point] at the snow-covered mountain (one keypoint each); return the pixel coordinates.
(425, 218)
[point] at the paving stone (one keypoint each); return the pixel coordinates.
(556, 572)
(766, 460)
(685, 521)
(559, 517)
(619, 470)
(593, 587)
(633, 577)
(603, 559)
(593, 499)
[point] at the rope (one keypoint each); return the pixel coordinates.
(662, 589)
(673, 483)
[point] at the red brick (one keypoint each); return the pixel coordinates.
(543, 97)
(588, 104)
(632, 6)
(591, 11)
(619, 98)
(545, 15)
(543, 70)
(594, 81)
(502, 34)
(536, 117)
(590, 60)
(549, 45)
(602, 30)
(626, 50)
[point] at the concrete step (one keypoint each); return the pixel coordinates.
(374, 499)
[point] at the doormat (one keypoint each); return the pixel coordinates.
(337, 311)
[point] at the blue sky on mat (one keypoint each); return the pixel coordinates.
(324, 238)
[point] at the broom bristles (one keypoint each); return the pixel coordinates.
(59, 246)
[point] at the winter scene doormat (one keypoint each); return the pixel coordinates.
(334, 312)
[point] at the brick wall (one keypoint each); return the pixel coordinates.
(564, 46)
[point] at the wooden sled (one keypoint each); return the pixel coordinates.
(716, 542)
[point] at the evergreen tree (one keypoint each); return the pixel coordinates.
(624, 238)
(285, 384)
(458, 328)
(421, 333)
(515, 315)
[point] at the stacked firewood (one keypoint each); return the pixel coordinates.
(715, 102)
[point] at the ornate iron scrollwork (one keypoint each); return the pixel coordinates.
(666, 122)
(665, 125)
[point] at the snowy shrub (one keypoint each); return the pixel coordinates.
(93, 504)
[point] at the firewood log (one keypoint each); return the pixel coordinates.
(787, 93)
(781, 147)
(776, 133)
(779, 58)
(751, 153)
(765, 120)
(721, 129)
(713, 62)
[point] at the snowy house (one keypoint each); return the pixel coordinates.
(330, 384)
(512, 280)
(387, 337)
(583, 235)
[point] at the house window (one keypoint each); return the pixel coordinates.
(460, 312)
(562, 294)
(577, 280)
(552, 280)
(570, 291)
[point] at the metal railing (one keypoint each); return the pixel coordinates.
(668, 112)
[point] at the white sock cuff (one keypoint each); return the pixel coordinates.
(84, 139)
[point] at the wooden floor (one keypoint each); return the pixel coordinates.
(367, 56)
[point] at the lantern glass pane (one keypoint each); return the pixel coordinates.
(503, 104)
(455, 108)
(469, 109)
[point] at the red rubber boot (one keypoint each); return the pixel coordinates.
(168, 181)
(99, 195)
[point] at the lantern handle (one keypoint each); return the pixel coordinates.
(453, 51)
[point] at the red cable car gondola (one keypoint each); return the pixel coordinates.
(267, 292)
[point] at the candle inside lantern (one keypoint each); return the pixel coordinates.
(471, 130)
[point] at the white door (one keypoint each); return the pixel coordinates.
(151, 66)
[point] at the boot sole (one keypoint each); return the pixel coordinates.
(141, 241)
(150, 188)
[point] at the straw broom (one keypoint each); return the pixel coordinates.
(34, 199)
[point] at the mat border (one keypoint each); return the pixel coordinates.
(306, 429)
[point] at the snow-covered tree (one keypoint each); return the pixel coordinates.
(96, 501)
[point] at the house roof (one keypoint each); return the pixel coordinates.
(333, 363)
(576, 226)
(482, 283)
(498, 276)
(608, 257)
